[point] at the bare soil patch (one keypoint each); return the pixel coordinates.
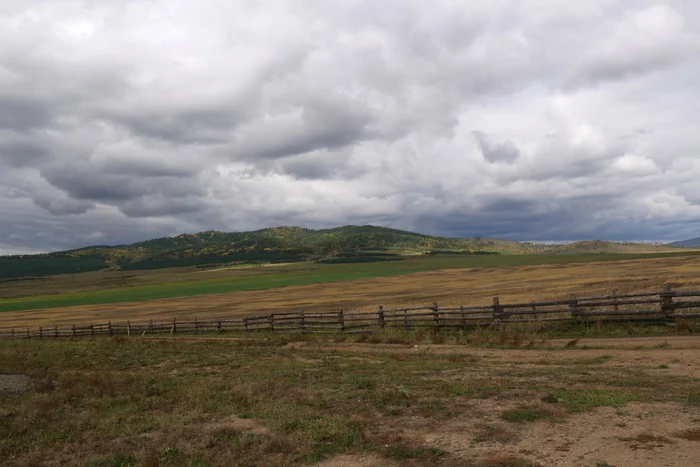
(14, 384)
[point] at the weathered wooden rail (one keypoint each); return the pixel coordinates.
(665, 307)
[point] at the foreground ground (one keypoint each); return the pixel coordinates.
(464, 286)
(390, 400)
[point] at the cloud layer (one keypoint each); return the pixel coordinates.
(533, 119)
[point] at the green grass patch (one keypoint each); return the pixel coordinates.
(583, 400)
(524, 414)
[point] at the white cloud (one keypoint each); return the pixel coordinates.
(495, 118)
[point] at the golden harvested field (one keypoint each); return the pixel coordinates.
(449, 287)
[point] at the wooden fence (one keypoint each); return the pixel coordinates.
(665, 307)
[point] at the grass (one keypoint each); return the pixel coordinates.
(263, 401)
(525, 413)
(582, 400)
(126, 286)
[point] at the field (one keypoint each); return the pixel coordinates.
(409, 401)
(487, 398)
(186, 293)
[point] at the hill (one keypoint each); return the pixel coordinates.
(282, 244)
(691, 243)
(278, 244)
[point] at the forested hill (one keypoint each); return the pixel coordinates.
(278, 244)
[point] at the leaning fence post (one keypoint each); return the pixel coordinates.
(380, 315)
(667, 308)
(173, 328)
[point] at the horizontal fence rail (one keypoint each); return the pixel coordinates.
(664, 307)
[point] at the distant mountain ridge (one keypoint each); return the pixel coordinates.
(690, 243)
(282, 244)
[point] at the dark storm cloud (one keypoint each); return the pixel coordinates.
(61, 207)
(180, 126)
(123, 121)
(19, 151)
(19, 113)
(496, 151)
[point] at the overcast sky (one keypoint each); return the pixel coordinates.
(123, 120)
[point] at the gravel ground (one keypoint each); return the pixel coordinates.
(12, 384)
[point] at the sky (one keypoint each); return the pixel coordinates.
(124, 120)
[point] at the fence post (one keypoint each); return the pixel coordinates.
(173, 328)
(573, 306)
(667, 308)
(128, 328)
(29, 335)
(272, 321)
(405, 320)
(497, 310)
(614, 299)
(534, 310)
(41, 332)
(380, 315)
(56, 330)
(436, 315)
(218, 326)
(109, 327)
(302, 323)
(245, 323)
(195, 325)
(92, 329)
(13, 333)
(464, 320)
